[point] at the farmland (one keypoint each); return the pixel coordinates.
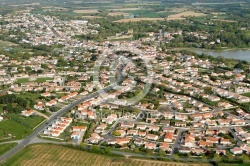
(182, 15)
(58, 155)
(89, 11)
(138, 19)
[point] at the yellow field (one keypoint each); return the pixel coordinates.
(118, 14)
(224, 20)
(58, 155)
(139, 19)
(182, 15)
(88, 11)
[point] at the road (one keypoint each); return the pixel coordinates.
(28, 139)
(177, 142)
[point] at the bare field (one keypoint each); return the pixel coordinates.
(182, 15)
(125, 9)
(139, 19)
(91, 17)
(224, 20)
(89, 11)
(47, 154)
(118, 14)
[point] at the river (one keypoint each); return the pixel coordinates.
(235, 54)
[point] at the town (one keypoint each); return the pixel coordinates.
(191, 106)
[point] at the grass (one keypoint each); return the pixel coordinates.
(58, 155)
(6, 147)
(38, 80)
(87, 11)
(246, 94)
(19, 126)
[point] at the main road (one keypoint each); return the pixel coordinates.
(28, 139)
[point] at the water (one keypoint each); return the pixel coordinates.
(235, 54)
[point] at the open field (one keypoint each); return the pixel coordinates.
(91, 17)
(38, 80)
(6, 147)
(89, 11)
(139, 19)
(246, 94)
(118, 13)
(125, 9)
(182, 15)
(18, 126)
(223, 20)
(58, 155)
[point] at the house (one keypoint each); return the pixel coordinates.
(189, 140)
(27, 112)
(75, 135)
(153, 128)
(168, 137)
(79, 128)
(139, 142)
(141, 127)
(180, 124)
(127, 125)
(197, 151)
(94, 138)
(236, 150)
(150, 146)
(122, 141)
(205, 144)
(51, 103)
(213, 140)
(152, 137)
(46, 94)
(184, 149)
(164, 146)
(225, 141)
(39, 106)
(221, 151)
(142, 133)
(91, 115)
(168, 129)
(132, 132)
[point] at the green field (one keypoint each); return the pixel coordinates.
(18, 126)
(246, 94)
(38, 80)
(59, 155)
(6, 147)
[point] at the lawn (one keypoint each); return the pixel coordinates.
(59, 155)
(6, 147)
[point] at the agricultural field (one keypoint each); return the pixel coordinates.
(91, 17)
(58, 155)
(182, 15)
(6, 147)
(139, 19)
(87, 11)
(118, 14)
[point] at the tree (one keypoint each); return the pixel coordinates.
(136, 150)
(162, 153)
(217, 157)
(239, 66)
(116, 133)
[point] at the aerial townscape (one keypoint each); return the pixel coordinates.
(125, 82)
